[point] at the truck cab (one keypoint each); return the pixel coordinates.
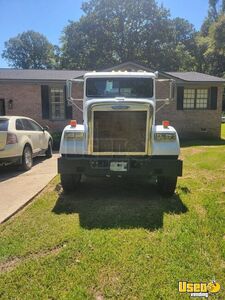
(118, 136)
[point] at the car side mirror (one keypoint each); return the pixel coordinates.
(45, 128)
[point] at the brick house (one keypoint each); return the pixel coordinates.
(41, 95)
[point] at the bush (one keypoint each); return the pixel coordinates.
(56, 140)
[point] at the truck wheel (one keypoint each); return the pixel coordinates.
(48, 152)
(27, 159)
(70, 182)
(167, 185)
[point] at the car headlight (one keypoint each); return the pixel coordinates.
(78, 135)
(165, 137)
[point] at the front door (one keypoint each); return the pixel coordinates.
(2, 107)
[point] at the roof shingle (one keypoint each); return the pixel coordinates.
(15, 74)
(195, 77)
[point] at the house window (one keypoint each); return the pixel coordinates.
(202, 98)
(195, 99)
(57, 103)
(189, 98)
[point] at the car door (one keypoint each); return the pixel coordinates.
(42, 137)
(32, 135)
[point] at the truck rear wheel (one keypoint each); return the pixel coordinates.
(167, 185)
(70, 182)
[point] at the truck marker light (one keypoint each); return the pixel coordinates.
(73, 123)
(165, 124)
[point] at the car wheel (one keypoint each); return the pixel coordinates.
(27, 158)
(166, 185)
(70, 182)
(48, 152)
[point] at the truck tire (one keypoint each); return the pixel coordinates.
(167, 185)
(70, 182)
(27, 158)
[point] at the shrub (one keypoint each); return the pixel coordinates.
(56, 140)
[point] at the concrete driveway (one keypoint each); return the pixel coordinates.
(18, 188)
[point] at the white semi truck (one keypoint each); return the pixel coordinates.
(118, 136)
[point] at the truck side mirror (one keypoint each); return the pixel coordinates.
(165, 89)
(69, 92)
(69, 89)
(172, 89)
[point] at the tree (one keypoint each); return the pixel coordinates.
(216, 8)
(29, 50)
(211, 40)
(213, 11)
(213, 47)
(115, 31)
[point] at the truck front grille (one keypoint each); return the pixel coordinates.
(119, 131)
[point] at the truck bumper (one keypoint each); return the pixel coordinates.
(135, 166)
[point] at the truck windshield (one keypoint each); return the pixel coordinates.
(119, 87)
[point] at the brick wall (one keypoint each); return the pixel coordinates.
(27, 102)
(193, 123)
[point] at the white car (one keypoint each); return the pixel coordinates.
(21, 139)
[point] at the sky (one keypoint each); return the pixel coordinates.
(49, 17)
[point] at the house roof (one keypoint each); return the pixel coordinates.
(63, 75)
(131, 64)
(195, 77)
(15, 74)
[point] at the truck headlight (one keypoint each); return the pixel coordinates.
(74, 135)
(164, 137)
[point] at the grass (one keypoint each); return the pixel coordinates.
(223, 131)
(120, 240)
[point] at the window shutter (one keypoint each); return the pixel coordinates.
(180, 97)
(68, 108)
(213, 98)
(45, 101)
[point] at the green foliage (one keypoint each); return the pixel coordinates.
(184, 60)
(216, 9)
(56, 139)
(212, 48)
(213, 12)
(111, 32)
(29, 50)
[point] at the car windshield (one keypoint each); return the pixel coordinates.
(119, 87)
(4, 124)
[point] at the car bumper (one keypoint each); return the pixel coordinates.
(10, 160)
(12, 150)
(136, 166)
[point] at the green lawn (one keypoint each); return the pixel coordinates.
(120, 240)
(223, 131)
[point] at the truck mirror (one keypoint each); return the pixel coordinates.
(165, 89)
(69, 92)
(69, 89)
(172, 90)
